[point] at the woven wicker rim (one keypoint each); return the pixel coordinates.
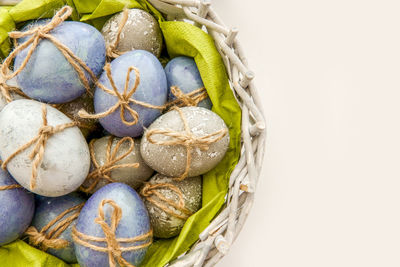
(215, 240)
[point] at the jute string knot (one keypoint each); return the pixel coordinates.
(111, 49)
(39, 142)
(153, 195)
(104, 171)
(191, 99)
(113, 249)
(48, 237)
(34, 36)
(185, 138)
(124, 99)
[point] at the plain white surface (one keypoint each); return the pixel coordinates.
(329, 75)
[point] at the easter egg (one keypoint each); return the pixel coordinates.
(115, 209)
(48, 76)
(51, 215)
(61, 158)
(72, 108)
(139, 32)
(183, 73)
(16, 209)
(167, 220)
(152, 89)
(166, 143)
(119, 156)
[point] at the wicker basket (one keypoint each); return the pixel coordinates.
(215, 240)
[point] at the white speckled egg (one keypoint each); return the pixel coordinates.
(166, 224)
(66, 159)
(140, 32)
(171, 160)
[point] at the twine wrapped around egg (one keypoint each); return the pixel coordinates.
(150, 193)
(38, 33)
(48, 239)
(191, 99)
(124, 98)
(104, 171)
(111, 49)
(113, 248)
(185, 138)
(9, 187)
(39, 142)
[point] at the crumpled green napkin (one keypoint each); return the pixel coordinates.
(181, 38)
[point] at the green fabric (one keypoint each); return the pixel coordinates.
(181, 38)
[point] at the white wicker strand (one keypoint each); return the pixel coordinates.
(202, 11)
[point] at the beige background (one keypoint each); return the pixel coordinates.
(329, 74)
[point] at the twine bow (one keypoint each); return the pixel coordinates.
(45, 240)
(113, 249)
(185, 138)
(36, 35)
(191, 99)
(8, 187)
(150, 190)
(124, 98)
(111, 49)
(39, 142)
(104, 171)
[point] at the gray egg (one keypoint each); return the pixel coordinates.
(134, 177)
(72, 108)
(165, 224)
(171, 160)
(140, 32)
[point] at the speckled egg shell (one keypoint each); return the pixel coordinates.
(72, 108)
(171, 160)
(48, 76)
(134, 222)
(16, 209)
(183, 73)
(133, 177)
(141, 31)
(66, 159)
(48, 209)
(152, 90)
(164, 224)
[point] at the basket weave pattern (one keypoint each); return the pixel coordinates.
(215, 240)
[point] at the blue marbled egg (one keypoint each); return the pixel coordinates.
(183, 73)
(134, 222)
(48, 76)
(48, 208)
(17, 207)
(152, 89)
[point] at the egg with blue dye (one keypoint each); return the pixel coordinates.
(183, 73)
(48, 76)
(17, 207)
(47, 209)
(152, 89)
(134, 222)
